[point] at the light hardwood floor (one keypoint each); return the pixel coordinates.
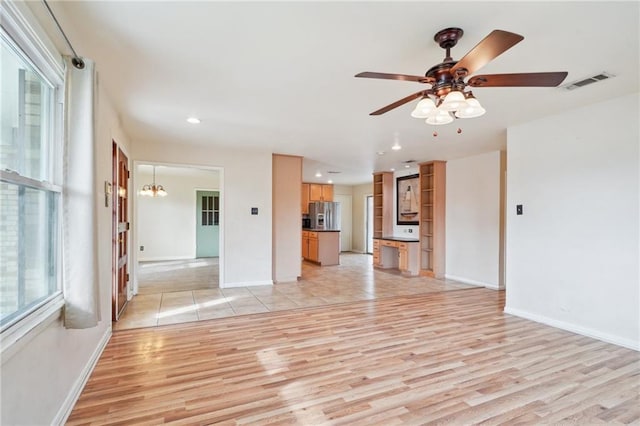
(438, 358)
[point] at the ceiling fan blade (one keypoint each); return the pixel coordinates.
(402, 101)
(532, 79)
(492, 46)
(404, 77)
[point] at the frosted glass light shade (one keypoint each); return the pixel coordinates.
(453, 101)
(440, 117)
(471, 109)
(423, 108)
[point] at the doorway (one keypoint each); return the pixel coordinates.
(167, 255)
(369, 220)
(207, 223)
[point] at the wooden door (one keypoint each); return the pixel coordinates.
(120, 241)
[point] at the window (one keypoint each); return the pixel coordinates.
(30, 191)
(210, 210)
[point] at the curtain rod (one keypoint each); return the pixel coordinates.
(76, 60)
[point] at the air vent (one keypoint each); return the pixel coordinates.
(333, 172)
(587, 81)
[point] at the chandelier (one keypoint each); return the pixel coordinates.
(153, 190)
(455, 103)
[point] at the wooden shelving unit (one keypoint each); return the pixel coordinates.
(382, 204)
(432, 218)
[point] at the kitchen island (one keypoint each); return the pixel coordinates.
(321, 246)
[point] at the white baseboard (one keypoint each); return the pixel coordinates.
(163, 258)
(287, 280)
(70, 401)
(472, 282)
(605, 337)
(246, 284)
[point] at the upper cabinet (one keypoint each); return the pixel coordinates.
(320, 192)
(315, 192)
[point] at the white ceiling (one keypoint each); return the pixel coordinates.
(280, 76)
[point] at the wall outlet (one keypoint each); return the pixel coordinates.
(141, 248)
(410, 231)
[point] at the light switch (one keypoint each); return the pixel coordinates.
(519, 209)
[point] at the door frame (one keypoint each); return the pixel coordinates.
(137, 183)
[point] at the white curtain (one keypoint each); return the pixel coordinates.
(80, 276)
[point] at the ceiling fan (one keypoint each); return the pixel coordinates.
(446, 97)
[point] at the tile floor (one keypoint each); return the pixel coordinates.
(354, 279)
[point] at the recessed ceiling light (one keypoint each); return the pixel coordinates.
(380, 152)
(318, 174)
(193, 120)
(406, 166)
(329, 181)
(392, 169)
(396, 146)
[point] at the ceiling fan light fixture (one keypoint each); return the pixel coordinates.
(471, 109)
(454, 100)
(425, 107)
(440, 117)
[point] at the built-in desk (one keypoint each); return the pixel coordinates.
(397, 253)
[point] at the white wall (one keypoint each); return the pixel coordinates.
(245, 239)
(166, 226)
(43, 373)
(473, 219)
(572, 257)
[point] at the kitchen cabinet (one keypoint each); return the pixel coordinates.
(320, 192)
(321, 247)
(305, 244)
(313, 247)
(305, 198)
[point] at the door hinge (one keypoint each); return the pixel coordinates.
(128, 174)
(127, 277)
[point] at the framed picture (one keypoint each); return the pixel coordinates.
(408, 200)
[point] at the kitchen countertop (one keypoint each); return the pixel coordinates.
(401, 239)
(320, 230)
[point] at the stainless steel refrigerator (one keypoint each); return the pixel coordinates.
(324, 215)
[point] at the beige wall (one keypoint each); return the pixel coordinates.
(287, 210)
(360, 193)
